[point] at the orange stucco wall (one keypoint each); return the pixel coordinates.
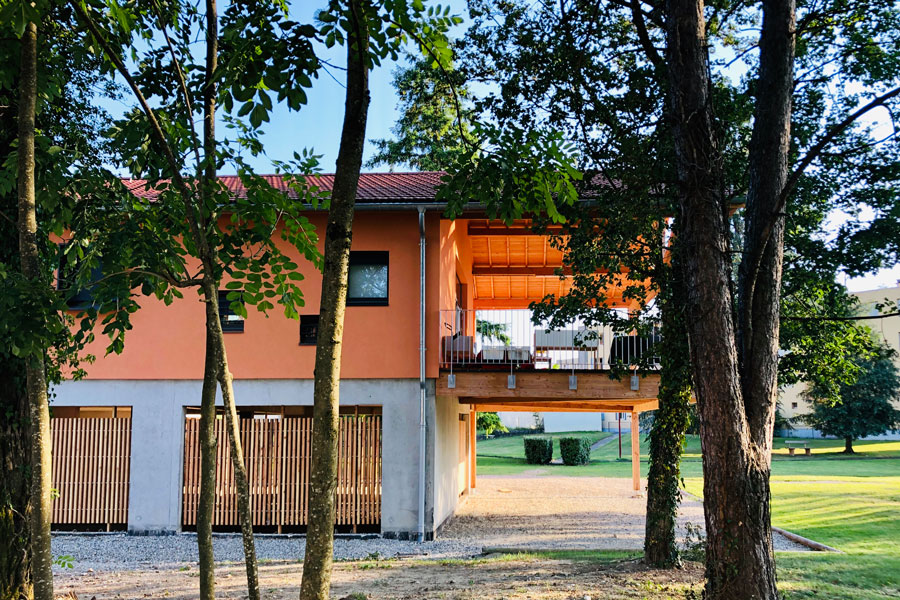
(167, 342)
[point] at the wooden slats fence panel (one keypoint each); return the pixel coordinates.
(91, 463)
(277, 456)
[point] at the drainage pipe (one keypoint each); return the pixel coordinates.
(421, 524)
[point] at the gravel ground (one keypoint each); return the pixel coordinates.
(565, 513)
(118, 551)
(504, 511)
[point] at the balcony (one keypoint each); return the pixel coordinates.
(508, 340)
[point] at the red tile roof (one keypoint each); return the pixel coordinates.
(373, 187)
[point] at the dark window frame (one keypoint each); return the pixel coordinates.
(309, 318)
(229, 326)
(374, 258)
(84, 299)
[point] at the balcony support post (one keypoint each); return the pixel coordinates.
(635, 452)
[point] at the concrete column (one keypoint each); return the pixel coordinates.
(157, 443)
(157, 448)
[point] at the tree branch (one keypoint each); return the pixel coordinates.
(838, 319)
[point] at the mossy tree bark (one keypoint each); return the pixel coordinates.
(669, 427)
(35, 373)
(317, 562)
(15, 462)
(733, 353)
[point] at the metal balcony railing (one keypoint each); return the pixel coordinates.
(506, 339)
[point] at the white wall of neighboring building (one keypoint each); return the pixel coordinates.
(584, 421)
(792, 400)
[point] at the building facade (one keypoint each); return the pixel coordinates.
(414, 276)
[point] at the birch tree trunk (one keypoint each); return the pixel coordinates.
(317, 562)
(36, 386)
(733, 356)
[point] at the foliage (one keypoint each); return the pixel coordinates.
(492, 331)
(575, 450)
(433, 129)
(538, 450)
(489, 422)
(865, 407)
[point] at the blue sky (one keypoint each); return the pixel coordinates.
(318, 124)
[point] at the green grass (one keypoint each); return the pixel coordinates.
(513, 447)
(506, 456)
(857, 514)
(849, 502)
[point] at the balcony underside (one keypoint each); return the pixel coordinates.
(549, 391)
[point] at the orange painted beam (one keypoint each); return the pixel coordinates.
(473, 432)
(635, 453)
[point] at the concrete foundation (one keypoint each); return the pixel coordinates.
(157, 442)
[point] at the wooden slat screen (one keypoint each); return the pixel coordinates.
(91, 462)
(277, 455)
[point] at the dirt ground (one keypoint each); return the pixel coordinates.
(406, 580)
(558, 512)
(597, 513)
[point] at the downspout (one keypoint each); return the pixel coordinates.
(421, 524)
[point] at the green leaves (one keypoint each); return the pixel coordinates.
(16, 14)
(520, 172)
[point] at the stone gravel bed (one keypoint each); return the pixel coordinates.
(118, 551)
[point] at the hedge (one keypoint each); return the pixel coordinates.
(575, 450)
(538, 450)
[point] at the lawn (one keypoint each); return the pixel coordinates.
(513, 447)
(506, 456)
(849, 502)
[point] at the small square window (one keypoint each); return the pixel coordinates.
(69, 264)
(231, 321)
(367, 283)
(309, 329)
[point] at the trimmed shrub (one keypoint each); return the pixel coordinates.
(575, 450)
(538, 450)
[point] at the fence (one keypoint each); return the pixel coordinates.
(508, 338)
(91, 459)
(277, 457)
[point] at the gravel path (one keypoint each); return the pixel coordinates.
(119, 551)
(504, 511)
(565, 513)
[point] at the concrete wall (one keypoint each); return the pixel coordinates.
(446, 457)
(585, 421)
(157, 439)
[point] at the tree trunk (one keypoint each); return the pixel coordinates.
(36, 377)
(15, 460)
(207, 502)
(233, 427)
(848, 445)
(320, 532)
(668, 430)
(733, 358)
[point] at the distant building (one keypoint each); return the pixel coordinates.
(792, 399)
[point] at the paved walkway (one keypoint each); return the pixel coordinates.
(563, 512)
